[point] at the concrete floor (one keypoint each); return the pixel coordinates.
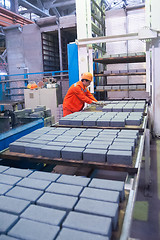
(146, 217)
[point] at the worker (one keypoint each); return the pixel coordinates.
(78, 95)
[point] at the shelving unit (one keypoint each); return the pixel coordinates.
(120, 59)
(50, 51)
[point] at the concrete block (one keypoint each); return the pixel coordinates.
(45, 176)
(18, 172)
(63, 138)
(108, 185)
(77, 143)
(18, 146)
(33, 230)
(55, 143)
(94, 155)
(72, 153)
(68, 234)
(84, 138)
(97, 146)
(44, 215)
(51, 151)
(121, 147)
(104, 142)
(24, 193)
(4, 188)
(119, 157)
(132, 121)
(57, 201)
(103, 123)
(11, 180)
(76, 122)
(100, 194)
(42, 130)
(41, 142)
(7, 221)
(34, 183)
(13, 205)
(64, 189)
(117, 123)
(100, 208)
(47, 112)
(47, 137)
(3, 168)
(88, 223)
(74, 180)
(89, 122)
(34, 149)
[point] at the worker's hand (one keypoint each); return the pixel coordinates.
(97, 103)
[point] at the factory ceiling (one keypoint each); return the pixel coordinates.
(33, 9)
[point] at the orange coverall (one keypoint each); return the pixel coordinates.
(75, 98)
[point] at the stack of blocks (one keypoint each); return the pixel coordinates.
(90, 145)
(114, 114)
(41, 205)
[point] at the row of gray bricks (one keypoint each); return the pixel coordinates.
(39, 111)
(40, 205)
(89, 146)
(119, 119)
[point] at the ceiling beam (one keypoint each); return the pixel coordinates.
(36, 10)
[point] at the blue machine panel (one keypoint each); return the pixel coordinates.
(73, 63)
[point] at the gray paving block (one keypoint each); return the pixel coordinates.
(74, 180)
(45, 176)
(108, 185)
(119, 157)
(89, 122)
(41, 142)
(99, 141)
(51, 151)
(88, 223)
(42, 130)
(117, 123)
(47, 137)
(24, 193)
(55, 143)
(100, 208)
(13, 205)
(7, 220)
(38, 184)
(121, 147)
(6, 237)
(84, 138)
(77, 143)
(3, 168)
(18, 146)
(94, 155)
(63, 138)
(34, 149)
(44, 215)
(30, 230)
(11, 180)
(133, 121)
(68, 234)
(18, 172)
(103, 123)
(100, 194)
(97, 146)
(57, 201)
(65, 189)
(72, 153)
(4, 188)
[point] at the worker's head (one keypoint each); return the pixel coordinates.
(86, 78)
